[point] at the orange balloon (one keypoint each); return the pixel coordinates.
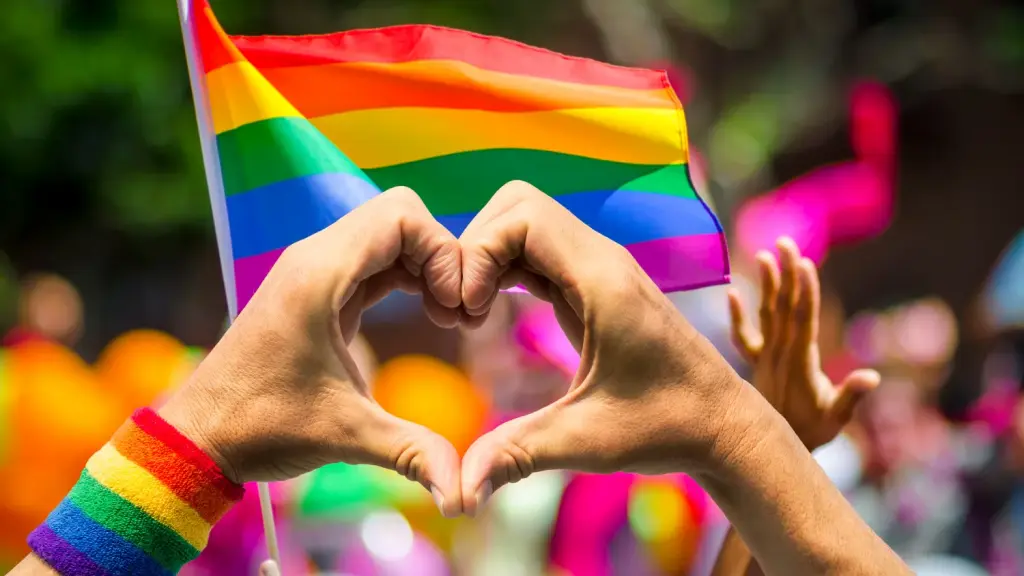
(6, 408)
(59, 407)
(429, 392)
(666, 524)
(35, 489)
(59, 416)
(140, 366)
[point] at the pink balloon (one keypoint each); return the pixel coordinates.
(595, 508)
(761, 221)
(861, 191)
(873, 112)
(538, 333)
(837, 204)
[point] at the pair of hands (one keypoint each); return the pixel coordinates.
(280, 395)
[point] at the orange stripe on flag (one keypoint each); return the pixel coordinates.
(334, 88)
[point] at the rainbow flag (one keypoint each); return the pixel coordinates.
(297, 131)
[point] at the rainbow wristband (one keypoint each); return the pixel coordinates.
(144, 504)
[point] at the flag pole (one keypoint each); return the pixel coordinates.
(218, 202)
(211, 161)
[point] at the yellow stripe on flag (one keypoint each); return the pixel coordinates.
(386, 137)
(240, 95)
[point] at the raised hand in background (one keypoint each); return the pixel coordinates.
(784, 352)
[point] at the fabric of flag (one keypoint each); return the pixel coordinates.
(306, 128)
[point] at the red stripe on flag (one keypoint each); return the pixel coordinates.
(215, 48)
(423, 42)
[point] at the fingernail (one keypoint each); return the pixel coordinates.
(269, 568)
(483, 495)
(438, 499)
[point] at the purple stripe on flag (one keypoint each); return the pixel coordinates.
(60, 555)
(675, 264)
(684, 262)
(250, 272)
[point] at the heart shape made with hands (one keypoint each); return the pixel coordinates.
(524, 238)
(286, 395)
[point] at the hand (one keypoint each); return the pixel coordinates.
(784, 354)
(281, 395)
(651, 394)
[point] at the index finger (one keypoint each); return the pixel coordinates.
(808, 307)
(391, 228)
(520, 221)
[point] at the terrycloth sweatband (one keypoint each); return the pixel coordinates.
(144, 505)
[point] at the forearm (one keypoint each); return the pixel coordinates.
(782, 504)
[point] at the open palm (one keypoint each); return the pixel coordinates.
(785, 355)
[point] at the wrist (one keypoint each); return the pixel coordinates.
(145, 504)
(204, 432)
(747, 423)
(204, 421)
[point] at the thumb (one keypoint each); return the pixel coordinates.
(544, 440)
(269, 568)
(420, 455)
(856, 386)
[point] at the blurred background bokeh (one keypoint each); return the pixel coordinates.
(885, 136)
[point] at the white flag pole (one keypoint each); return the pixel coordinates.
(208, 143)
(218, 201)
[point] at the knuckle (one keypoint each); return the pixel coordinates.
(520, 192)
(405, 205)
(293, 276)
(399, 193)
(518, 188)
(405, 198)
(292, 261)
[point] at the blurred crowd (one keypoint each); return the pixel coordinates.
(946, 492)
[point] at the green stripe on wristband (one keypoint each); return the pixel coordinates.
(98, 502)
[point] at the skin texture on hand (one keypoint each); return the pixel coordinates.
(651, 395)
(787, 366)
(281, 394)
